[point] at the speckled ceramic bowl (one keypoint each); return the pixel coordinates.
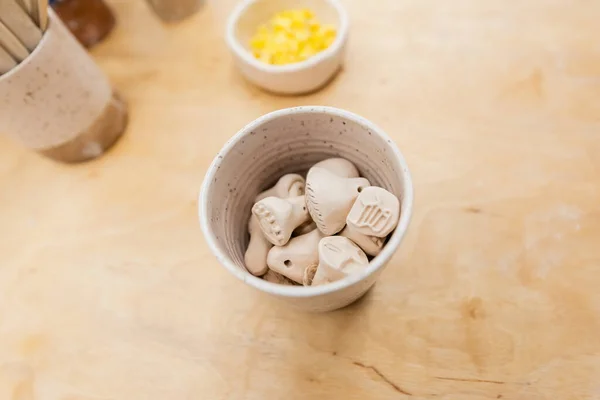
(297, 78)
(292, 140)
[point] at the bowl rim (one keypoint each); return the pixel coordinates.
(246, 56)
(301, 291)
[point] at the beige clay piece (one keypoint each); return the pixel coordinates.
(339, 166)
(329, 198)
(339, 257)
(274, 277)
(371, 245)
(295, 257)
(375, 212)
(255, 258)
(290, 185)
(279, 217)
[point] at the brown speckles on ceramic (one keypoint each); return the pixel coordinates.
(288, 150)
(55, 95)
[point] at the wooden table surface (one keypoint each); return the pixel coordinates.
(109, 292)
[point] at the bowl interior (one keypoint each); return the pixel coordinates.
(258, 12)
(292, 141)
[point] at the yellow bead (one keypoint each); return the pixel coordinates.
(291, 36)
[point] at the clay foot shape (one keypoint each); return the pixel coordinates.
(274, 277)
(279, 217)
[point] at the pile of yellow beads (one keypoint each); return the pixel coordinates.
(291, 36)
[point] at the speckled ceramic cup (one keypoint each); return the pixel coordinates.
(292, 140)
(59, 102)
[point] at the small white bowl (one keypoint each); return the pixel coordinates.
(292, 140)
(302, 77)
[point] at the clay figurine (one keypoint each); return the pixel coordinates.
(371, 245)
(339, 166)
(292, 259)
(329, 198)
(290, 185)
(375, 212)
(279, 217)
(255, 258)
(338, 258)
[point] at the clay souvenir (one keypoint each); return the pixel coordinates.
(279, 217)
(338, 258)
(371, 245)
(375, 212)
(339, 166)
(255, 258)
(290, 185)
(329, 198)
(292, 259)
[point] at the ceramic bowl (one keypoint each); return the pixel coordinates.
(297, 78)
(292, 140)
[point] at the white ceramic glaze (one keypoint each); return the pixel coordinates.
(59, 102)
(292, 140)
(280, 217)
(297, 78)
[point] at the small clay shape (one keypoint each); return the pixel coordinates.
(371, 245)
(255, 257)
(279, 217)
(292, 259)
(339, 166)
(290, 185)
(375, 212)
(274, 277)
(338, 258)
(329, 198)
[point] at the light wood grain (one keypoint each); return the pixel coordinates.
(108, 291)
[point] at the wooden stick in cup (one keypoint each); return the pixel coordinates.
(39, 13)
(6, 61)
(20, 23)
(12, 44)
(25, 5)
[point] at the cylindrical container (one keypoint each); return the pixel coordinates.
(90, 21)
(292, 140)
(175, 10)
(59, 102)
